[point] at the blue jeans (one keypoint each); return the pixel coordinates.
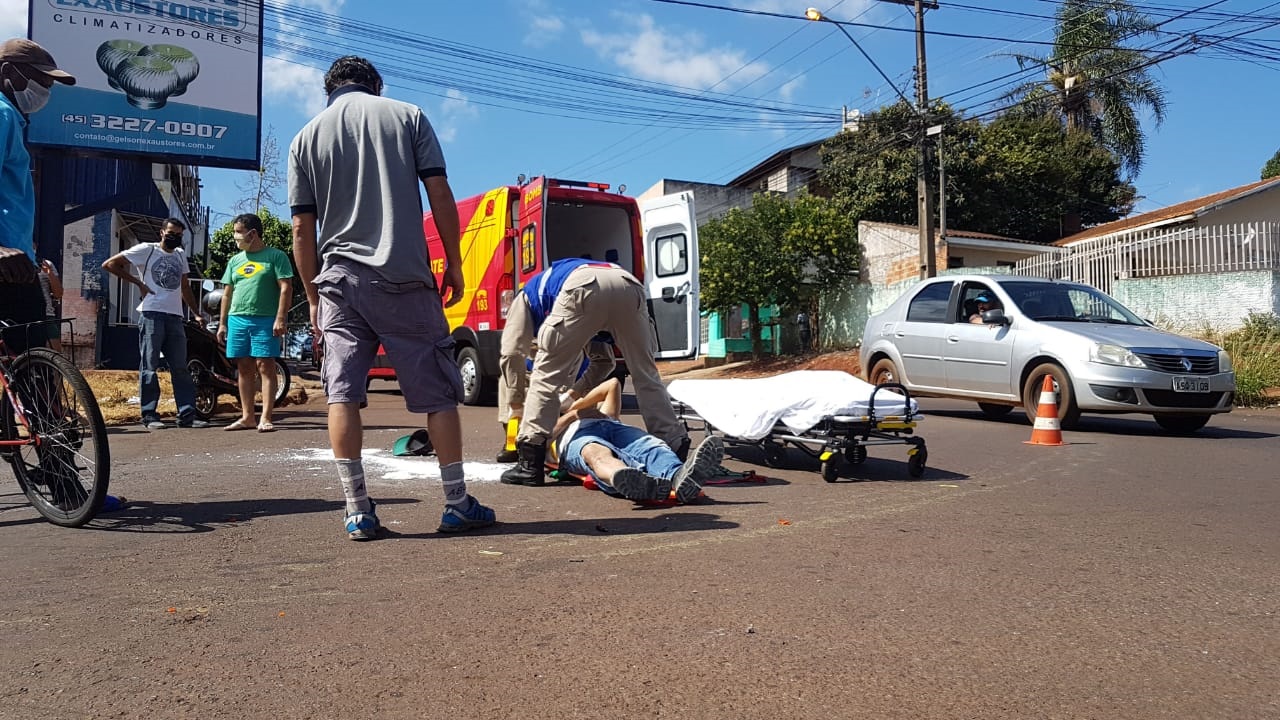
(162, 332)
(635, 447)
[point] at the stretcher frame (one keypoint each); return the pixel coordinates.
(837, 441)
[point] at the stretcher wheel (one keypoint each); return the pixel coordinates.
(775, 455)
(855, 454)
(915, 463)
(831, 468)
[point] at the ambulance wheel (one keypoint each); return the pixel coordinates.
(915, 463)
(775, 455)
(476, 388)
(832, 467)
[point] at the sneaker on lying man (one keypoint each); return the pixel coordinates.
(700, 467)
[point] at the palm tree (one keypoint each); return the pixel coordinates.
(1093, 82)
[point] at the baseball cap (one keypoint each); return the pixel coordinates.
(983, 297)
(416, 443)
(20, 51)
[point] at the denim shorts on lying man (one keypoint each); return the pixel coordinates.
(635, 447)
(360, 310)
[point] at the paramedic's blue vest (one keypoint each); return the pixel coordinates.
(541, 289)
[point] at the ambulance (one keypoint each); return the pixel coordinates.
(512, 232)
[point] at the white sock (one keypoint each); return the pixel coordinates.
(455, 485)
(351, 473)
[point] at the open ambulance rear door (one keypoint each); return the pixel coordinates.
(671, 273)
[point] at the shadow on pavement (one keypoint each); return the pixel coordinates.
(648, 525)
(144, 516)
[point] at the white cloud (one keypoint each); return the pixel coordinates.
(544, 25)
(288, 84)
(13, 19)
(789, 89)
(677, 58)
(455, 110)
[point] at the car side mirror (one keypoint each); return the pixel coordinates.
(995, 316)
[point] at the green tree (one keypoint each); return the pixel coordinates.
(1093, 82)
(1272, 168)
(1021, 176)
(779, 252)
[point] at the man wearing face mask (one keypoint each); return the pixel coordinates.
(162, 282)
(27, 73)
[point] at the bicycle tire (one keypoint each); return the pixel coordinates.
(65, 475)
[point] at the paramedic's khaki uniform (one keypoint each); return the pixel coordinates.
(593, 299)
(517, 336)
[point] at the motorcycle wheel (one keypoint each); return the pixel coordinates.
(283, 379)
(206, 394)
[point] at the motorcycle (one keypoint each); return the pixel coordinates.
(214, 375)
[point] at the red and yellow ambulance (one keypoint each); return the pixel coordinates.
(514, 231)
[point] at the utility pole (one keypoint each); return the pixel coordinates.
(924, 159)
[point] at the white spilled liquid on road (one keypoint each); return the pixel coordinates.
(382, 465)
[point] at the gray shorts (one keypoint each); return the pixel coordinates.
(358, 310)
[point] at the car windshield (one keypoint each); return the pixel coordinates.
(1068, 302)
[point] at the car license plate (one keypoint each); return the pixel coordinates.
(1190, 384)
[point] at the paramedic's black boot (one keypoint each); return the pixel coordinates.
(682, 450)
(507, 456)
(531, 465)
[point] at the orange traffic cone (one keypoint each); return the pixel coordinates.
(1047, 430)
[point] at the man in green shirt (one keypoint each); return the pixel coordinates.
(255, 303)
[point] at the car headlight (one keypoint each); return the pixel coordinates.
(1224, 361)
(1115, 355)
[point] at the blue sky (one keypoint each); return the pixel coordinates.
(1218, 133)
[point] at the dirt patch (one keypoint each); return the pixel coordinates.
(846, 360)
(117, 394)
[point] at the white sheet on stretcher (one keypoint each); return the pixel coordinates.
(748, 408)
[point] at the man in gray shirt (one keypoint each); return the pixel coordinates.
(354, 170)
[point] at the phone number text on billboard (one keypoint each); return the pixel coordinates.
(147, 125)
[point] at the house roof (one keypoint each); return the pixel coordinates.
(772, 161)
(1177, 212)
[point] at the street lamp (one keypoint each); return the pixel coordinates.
(924, 207)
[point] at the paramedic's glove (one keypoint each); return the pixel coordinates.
(453, 282)
(15, 267)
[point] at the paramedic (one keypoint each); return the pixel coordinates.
(625, 461)
(354, 171)
(597, 365)
(567, 304)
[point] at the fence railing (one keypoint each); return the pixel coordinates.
(1161, 252)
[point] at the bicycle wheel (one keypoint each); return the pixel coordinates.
(65, 473)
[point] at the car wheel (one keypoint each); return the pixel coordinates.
(1068, 412)
(1181, 424)
(996, 410)
(884, 371)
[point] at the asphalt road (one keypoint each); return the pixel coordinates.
(1127, 575)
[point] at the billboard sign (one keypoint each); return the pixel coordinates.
(179, 81)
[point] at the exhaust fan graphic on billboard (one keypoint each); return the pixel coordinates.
(175, 80)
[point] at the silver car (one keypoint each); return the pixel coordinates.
(994, 338)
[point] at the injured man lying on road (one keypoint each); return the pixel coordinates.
(625, 461)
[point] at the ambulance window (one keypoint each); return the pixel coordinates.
(671, 255)
(529, 248)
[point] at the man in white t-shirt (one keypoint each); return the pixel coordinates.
(161, 277)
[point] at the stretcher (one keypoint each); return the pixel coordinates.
(830, 415)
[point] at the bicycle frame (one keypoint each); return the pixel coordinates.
(6, 381)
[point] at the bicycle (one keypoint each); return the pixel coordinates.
(52, 432)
